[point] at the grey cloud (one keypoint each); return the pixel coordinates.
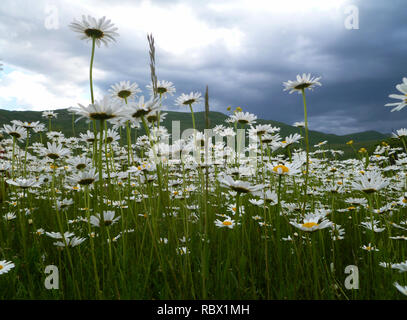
(359, 68)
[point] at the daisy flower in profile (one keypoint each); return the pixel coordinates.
(311, 223)
(238, 186)
(369, 247)
(24, 183)
(370, 182)
(64, 204)
(243, 118)
(287, 168)
(70, 242)
(228, 223)
(271, 197)
(163, 88)
(6, 266)
(84, 177)
(402, 289)
(401, 267)
(372, 225)
(400, 133)
(108, 218)
(141, 108)
(320, 144)
(124, 90)
(291, 139)
(58, 235)
(104, 109)
(402, 87)
(26, 125)
(49, 114)
(54, 151)
(87, 137)
(299, 124)
(188, 99)
(303, 82)
(79, 163)
(15, 131)
(101, 30)
(9, 216)
(262, 129)
(182, 250)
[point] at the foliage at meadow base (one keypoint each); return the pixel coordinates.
(196, 218)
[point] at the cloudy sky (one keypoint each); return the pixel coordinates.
(242, 49)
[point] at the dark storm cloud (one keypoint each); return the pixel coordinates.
(359, 68)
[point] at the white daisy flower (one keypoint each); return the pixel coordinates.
(6, 266)
(228, 223)
(243, 118)
(163, 88)
(70, 242)
(84, 177)
(124, 90)
(402, 87)
(303, 82)
(311, 223)
(369, 247)
(402, 289)
(400, 133)
(108, 218)
(104, 109)
(49, 114)
(54, 151)
(24, 183)
(238, 186)
(101, 30)
(188, 99)
(370, 182)
(15, 131)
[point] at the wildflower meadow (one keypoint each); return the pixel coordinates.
(235, 211)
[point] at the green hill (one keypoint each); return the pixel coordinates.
(63, 123)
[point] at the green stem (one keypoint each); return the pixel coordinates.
(90, 70)
(307, 149)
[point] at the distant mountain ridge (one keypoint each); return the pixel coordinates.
(63, 123)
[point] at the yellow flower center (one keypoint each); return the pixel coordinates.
(284, 169)
(227, 223)
(404, 200)
(1, 267)
(310, 224)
